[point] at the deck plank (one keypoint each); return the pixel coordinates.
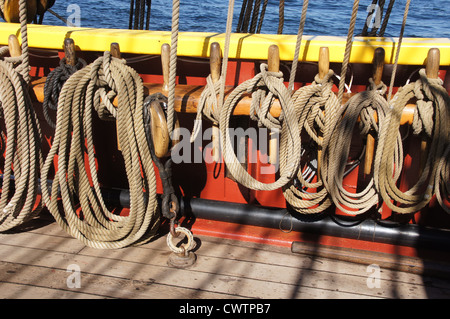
(34, 263)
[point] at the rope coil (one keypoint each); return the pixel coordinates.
(88, 218)
(265, 87)
(426, 91)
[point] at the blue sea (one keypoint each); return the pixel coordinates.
(427, 18)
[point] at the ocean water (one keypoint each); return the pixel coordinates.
(427, 18)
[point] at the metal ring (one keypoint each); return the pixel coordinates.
(184, 248)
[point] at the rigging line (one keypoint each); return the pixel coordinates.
(348, 49)
(301, 28)
(386, 18)
(226, 53)
(173, 65)
(397, 54)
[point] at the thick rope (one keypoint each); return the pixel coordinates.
(264, 87)
(173, 66)
(348, 50)
(363, 106)
(212, 97)
(317, 110)
(397, 53)
(301, 28)
(429, 92)
(81, 211)
(23, 155)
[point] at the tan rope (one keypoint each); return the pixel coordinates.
(397, 53)
(265, 87)
(311, 103)
(173, 66)
(76, 173)
(426, 91)
(348, 50)
(301, 28)
(23, 155)
(364, 106)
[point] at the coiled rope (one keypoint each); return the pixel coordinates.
(364, 106)
(265, 87)
(23, 156)
(82, 212)
(318, 110)
(433, 105)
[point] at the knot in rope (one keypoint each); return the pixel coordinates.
(265, 88)
(373, 98)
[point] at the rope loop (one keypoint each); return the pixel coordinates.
(265, 87)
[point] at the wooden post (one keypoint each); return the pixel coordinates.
(432, 70)
(273, 62)
(324, 67)
(69, 52)
(378, 65)
(215, 63)
(15, 50)
(165, 62)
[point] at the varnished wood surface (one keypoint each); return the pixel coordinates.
(34, 263)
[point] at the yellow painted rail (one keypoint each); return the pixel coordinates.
(243, 46)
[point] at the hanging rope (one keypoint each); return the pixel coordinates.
(364, 106)
(318, 110)
(140, 11)
(81, 211)
(348, 50)
(301, 28)
(264, 87)
(23, 154)
(173, 66)
(432, 99)
(212, 97)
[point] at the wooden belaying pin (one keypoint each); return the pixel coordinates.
(165, 61)
(273, 62)
(432, 64)
(215, 63)
(15, 50)
(324, 67)
(69, 52)
(378, 66)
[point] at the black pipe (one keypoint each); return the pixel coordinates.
(371, 230)
(367, 229)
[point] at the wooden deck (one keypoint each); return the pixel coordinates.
(34, 263)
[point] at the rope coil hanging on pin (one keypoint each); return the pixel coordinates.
(23, 155)
(318, 110)
(430, 94)
(83, 212)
